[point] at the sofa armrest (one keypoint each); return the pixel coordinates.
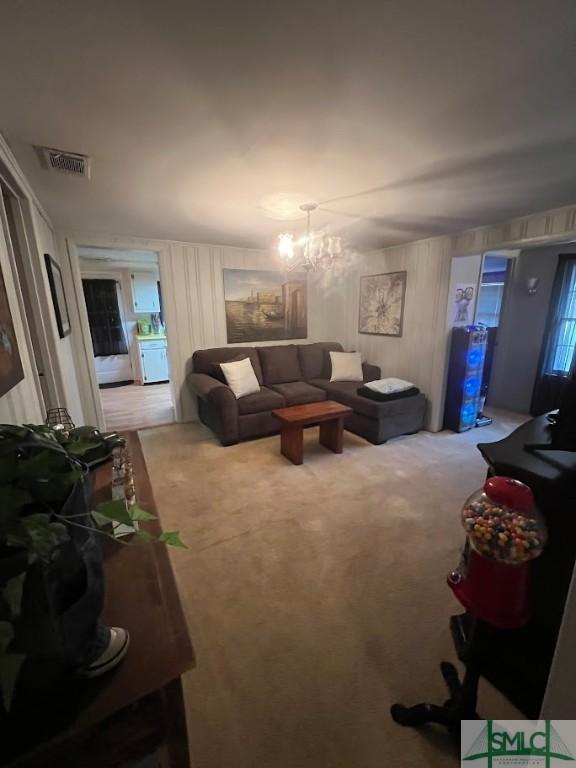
(204, 385)
(221, 397)
(371, 372)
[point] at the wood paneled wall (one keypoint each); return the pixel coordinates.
(193, 287)
(67, 385)
(536, 229)
(193, 291)
(419, 353)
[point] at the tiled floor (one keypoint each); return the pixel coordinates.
(136, 406)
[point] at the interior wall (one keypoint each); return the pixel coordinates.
(522, 327)
(465, 270)
(418, 353)
(22, 404)
(193, 295)
(193, 290)
(46, 243)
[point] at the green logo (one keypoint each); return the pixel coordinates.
(538, 747)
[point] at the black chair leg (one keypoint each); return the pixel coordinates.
(450, 675)
(421, 714)
(460, 706)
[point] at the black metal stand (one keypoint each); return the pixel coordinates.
(460, 706)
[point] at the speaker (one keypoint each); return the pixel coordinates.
(465, 372)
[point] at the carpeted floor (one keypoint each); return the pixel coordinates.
(316, 595)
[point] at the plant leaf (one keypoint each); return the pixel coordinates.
(78, 448)
(8, 468)
(14, 498)
(100, 520)
(172, 538)
(145, 535)
(137, 513)
(6, 635)
(56, 488)
(41, 465)
(86, 434)
(13, 591)
(43, 534)
(10, 665)
(115, 511)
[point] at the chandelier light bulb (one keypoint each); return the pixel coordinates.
(311, 251)
(286, 246)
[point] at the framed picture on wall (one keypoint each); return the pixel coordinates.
(11, 371)
(463, 304)
(262, 305)
(381, 310)
(58, 296)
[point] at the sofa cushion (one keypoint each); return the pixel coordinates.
(265, 400)
(299, 392)
(346, 366)
(315, 360)
(215, 369)
(345, 392)
(203, 359)
(280, 364)
(241, 378)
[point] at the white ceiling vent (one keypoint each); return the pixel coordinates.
(67, 162)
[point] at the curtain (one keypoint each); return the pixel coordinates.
(557, 358)
(104, 317)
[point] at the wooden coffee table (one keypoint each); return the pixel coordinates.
(328, 414)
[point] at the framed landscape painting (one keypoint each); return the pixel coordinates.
(263, 305)
(11, 371)
(381, 310)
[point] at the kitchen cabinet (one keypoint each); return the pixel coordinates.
(145, 296)
(154, 361)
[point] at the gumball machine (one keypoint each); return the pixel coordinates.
(504, 534)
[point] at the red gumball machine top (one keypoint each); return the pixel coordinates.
(503, 523)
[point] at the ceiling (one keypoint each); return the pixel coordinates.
(403, 118)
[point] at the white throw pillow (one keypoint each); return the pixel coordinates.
(346, 366)
(389, 386)
(240, 377)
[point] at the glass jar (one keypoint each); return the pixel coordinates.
(502, 522)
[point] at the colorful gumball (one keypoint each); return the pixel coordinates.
(502, 522)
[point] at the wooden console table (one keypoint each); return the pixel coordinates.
(138, 708)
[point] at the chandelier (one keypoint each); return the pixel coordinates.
(314, 251)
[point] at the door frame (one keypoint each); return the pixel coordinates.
(28, 266)
(89, 389)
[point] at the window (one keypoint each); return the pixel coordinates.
(563, 333)
(489, 304)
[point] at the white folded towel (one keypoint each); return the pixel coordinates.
(389, 386)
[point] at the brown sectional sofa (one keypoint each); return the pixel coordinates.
(293, 374)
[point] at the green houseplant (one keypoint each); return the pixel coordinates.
(48, 546)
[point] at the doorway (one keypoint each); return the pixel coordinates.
(122, 295)
(524, 329)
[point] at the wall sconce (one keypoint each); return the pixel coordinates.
(532, 285)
